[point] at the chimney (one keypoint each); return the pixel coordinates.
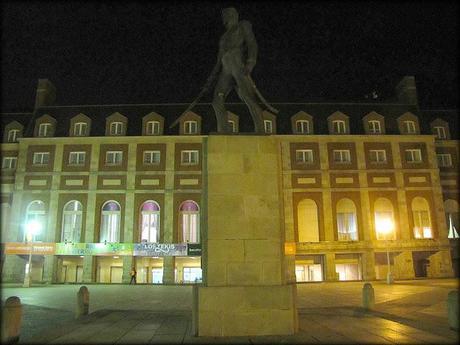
(46, 93)
(406, 90)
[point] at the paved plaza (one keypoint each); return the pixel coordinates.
(405, 312)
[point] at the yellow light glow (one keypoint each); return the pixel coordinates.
(384, 226)
(33, 228)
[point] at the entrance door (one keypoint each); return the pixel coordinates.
(79, 274)
(116, 274)
(157, 275)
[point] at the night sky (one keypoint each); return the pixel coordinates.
(162, 52)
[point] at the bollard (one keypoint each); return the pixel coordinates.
(368, 296)
(452, 309)
(82, 302)
(12, 317)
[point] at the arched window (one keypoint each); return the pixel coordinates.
(72, 221)
(421, 216)
(35, 220)
(110, 222)
(452, 218)
(189, 215)
(384, 219)
(347, 227)
(307, 221)
(150, 222)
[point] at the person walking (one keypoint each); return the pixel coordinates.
(133, 275)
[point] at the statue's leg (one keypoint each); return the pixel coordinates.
(247, 95)
(223, 87)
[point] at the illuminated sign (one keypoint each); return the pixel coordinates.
(160, 249)
(194, 249)
(38, 248)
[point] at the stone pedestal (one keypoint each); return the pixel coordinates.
(246, 292)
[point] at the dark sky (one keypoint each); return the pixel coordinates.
(157, 52)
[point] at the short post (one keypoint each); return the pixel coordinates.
(368, 296)
(452, 309)
(12, 317)
(82, 302)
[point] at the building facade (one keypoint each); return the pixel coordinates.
(92, 191)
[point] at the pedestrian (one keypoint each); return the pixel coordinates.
(133, 275)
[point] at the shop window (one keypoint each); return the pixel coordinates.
(374, 127)
(192, 275)
(302, 126)
(190, 127)
(347, 227)
(41, 158)
(157, 275)
(304, 156)
(338, 127)
(307, 221)
(44, 130)
(452, 218)
(113, 157)
(110, 222)
(444, 160)
(116, 128)
(421, 217)
(413, 155)
(384, 219)
(341, 156)
(72, 221)
(189, 216)
(35, 220)
(268, 126)
(150, 222)
(9, 163)
(79, 129)
(152, 128)
(77, 158)
(13, 135)
(377, 156)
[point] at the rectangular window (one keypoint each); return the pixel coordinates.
(377, 156)
(410, 127)
(13, 135)
(413, 156)
(9, 162)
(44, 129)
(151, 157)
(80, 129)
(77, 158)
(303, 126)
(444, 160)
(41, 158)
(342, 156)
(304, 156)
(422, 225)
(338, 127)
(440, 132)
(190, 127)
(374, 127)
(116, 128)
(346, 226)
(189, 157)
(153, 128)
(232, 125)
(113, 157)
(192, 275)
(268, 125)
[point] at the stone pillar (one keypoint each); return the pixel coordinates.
(331, 274)
(368, 263)
(128, 263)
(13, 269)
(50, 269)
(169, 263)
(403, 267)
(88, 269)
(246, 292)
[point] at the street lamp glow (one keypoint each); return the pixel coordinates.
(33, 227)
(384, 226)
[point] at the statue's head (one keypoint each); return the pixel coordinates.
(229, 17)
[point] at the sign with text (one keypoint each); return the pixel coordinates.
(102, 249)
(160, 249)
(194, 249)
(39, 248)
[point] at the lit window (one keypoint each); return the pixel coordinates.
(342, 156)
(79, 129)
(150, 222)
(13, 135)
(110, 222)
(338, 127)
(444, 160)
(35, 213)
(189, 216)
(151, 157)
(77, 158)
(192, 275)
(421, 218)
(384, 220)
(152, 128)
(302, 126)
(453, 225)
(409, 127)
(41, 158)
(189, 157)
(374, 127)
(72, 222)
(347, 227)
(440, 132)
(232, 125)
(304, 156)
(377, 156)
(413, 156)
(268, 125)
(113, 157)
(9, 163)
(116, 128)
(44, 129)
(190, 127)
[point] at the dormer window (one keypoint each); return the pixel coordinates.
(116, 128)
(338, 127)
(152, 128)
(302, 126)
(409, 127)
(374, 127)
(80, 129)
(190, 127)
(44, 129)
(268, 126)
(440, 132)
(232, 125)
(13, 135)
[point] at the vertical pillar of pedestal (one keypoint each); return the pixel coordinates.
(440, 265)
(128, 263)
(13, 269)
(50, 269)
(403, 267)
(89, 269)
(246, 291)
(331, 274)
(368, 264)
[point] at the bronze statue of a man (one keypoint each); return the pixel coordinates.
(236, 58)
